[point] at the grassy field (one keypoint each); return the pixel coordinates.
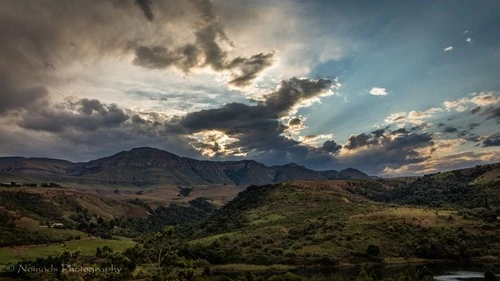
(413, 215)
(87, 248)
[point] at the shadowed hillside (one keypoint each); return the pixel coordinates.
(144, 167)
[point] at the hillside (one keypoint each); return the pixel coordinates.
(326, 223)
(143, 167)
(471, 188)
(39, 215)
(306, 223)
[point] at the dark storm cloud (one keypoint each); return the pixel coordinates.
(235, 117)
(492, 113)
(291, 93)
(450, 129)
(473, 125)
(356, 141)
(475, 110)
(374, 154)
(257, 127)
(493, 140)
(418, 127)
(41, 37)
(206, 50)
(44, 37)
(403, 140)
(409, 141)
(379, 132)
(473, 138)
(83, 115)
(295, 122)
(16, 97)
(400, 131)
(156, 57)
(331, 146)
(145, 6)
(249, 68)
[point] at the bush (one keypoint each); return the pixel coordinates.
(373, 250)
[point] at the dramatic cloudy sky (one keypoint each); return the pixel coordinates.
(389, 87)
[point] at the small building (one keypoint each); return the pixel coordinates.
(56, 225)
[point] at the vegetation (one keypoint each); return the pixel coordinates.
(267, 232)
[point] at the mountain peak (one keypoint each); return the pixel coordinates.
(148, 151)
(351, 173)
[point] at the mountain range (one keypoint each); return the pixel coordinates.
(152, 167)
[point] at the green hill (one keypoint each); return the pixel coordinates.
(326, 223)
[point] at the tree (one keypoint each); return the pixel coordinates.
(373, 250)
(159, 251)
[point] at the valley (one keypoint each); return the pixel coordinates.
(214, 229)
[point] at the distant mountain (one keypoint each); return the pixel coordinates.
(149, 167)
(351, 173)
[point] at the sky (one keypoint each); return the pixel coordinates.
(392, 88)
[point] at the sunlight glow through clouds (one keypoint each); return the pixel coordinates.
(212, 143)
(222, 79)
(413, 117)
(478, 99)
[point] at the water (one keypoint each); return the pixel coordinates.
(457, 272)
(440, 272)
(460, 276)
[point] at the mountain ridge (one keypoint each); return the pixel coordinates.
(145, 166)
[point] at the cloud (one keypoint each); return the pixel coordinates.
(256, 128)
(82, 115)
(229, 131)
(145, 6)
(244, 70)
(249, 68)
(413, 117)
(206, 50)
(477, 99)
(295, 122)
(473, 125)
(450, 129)
(46, 59)
(18, 97)
(379, 132)
(331, 146)
(356, 141)
(468, 40)
(399, 131)
(475, 110)
(444, 162)
(378, 91)
(375, 153)
(448, 49)
(492, 113)
(493, 140)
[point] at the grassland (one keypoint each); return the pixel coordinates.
(87, 247)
